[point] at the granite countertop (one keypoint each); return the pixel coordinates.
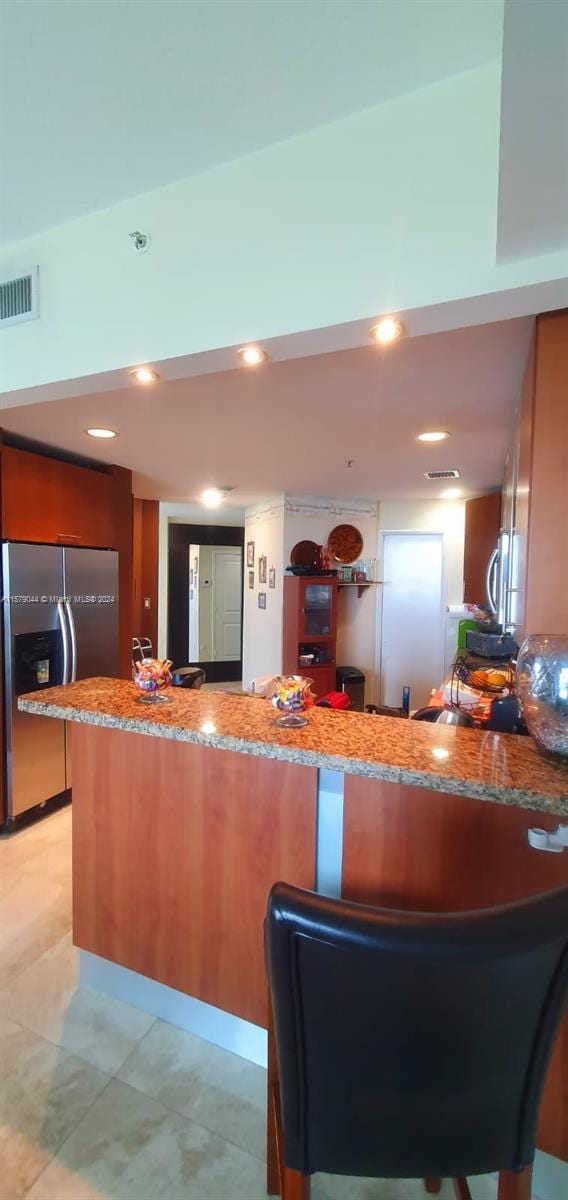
(486, 766)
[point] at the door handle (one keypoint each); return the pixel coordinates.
(490, 581)
(73, 634)
(64, 639)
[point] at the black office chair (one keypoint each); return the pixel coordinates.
(410, 1045)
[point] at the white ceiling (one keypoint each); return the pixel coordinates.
(102, 101)
(290, 426)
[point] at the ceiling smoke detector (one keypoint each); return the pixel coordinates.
(141, 240)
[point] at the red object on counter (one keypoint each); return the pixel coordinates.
(334, 700)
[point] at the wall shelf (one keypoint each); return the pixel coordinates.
(360, 586)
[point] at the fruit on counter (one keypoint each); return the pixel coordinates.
(498, 678)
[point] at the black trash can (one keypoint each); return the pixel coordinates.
(352, 681)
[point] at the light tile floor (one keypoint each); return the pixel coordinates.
(102, 1102)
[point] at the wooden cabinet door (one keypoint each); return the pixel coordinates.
(482, 523)
(420, 850)
(45, 500)
(318, 615)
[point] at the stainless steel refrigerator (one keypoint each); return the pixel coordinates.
(60, 616)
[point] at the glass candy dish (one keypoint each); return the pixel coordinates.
(292, 695)
(152, 676)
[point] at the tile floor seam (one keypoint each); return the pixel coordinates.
(34, 961)
(72, 1132)
(58, 1044)
(68, 1055)
(178, 1113)
(187, 1121)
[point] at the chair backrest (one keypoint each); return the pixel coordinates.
(141, 648)
(409, 1044)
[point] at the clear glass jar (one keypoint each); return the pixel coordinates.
(542, 680)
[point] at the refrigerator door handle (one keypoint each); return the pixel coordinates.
(490, 580)
(64, 639)
(73, 633)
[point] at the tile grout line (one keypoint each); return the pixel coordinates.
(153, 1100)
(73, 1131)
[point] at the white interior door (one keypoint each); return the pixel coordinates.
(227, 604)
(412, 641)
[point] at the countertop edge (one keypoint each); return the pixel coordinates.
(514, 797)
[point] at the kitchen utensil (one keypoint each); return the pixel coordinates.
(345, 543)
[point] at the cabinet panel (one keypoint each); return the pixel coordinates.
(317, 616)
(547, 575)
(414, 849)
(176, 889)
(45, 500)
(482, 522)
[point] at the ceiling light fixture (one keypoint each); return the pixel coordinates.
(144, 375)
(451, 494)
(101, 433)
(252, 355)
(433, 435)
(387, 330)
(212, 497)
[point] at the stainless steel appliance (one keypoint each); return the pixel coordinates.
(506, 568)
(60, 618)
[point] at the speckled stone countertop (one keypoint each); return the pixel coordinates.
(486, 766)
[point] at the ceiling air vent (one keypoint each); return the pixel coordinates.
(442, 474)
(19, 298)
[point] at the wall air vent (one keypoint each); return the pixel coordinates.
(442, 474)
(19, 300)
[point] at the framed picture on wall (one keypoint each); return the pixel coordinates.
(250, 554)
(251, 579)
(262, 569)
(262, 599)
(272, 577)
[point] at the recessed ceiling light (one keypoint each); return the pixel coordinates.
(101, 433)
(252, 355)
(387, 330)
(212, 497)
(144, 375)
(451, 494)
(433, 435)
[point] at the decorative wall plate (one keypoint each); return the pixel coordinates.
(345, 543)
(306, 554)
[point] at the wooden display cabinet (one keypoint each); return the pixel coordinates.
(310, 625)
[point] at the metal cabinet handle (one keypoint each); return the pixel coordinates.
(73, 633)
(69, 537)
(64, 639)
(490, 581)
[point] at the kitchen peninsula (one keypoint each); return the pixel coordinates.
(185, 813)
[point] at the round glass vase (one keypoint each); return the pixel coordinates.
(542, 682)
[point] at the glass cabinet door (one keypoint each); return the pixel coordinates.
(318, 609)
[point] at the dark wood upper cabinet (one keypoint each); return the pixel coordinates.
(47, 500)
(482, 523)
